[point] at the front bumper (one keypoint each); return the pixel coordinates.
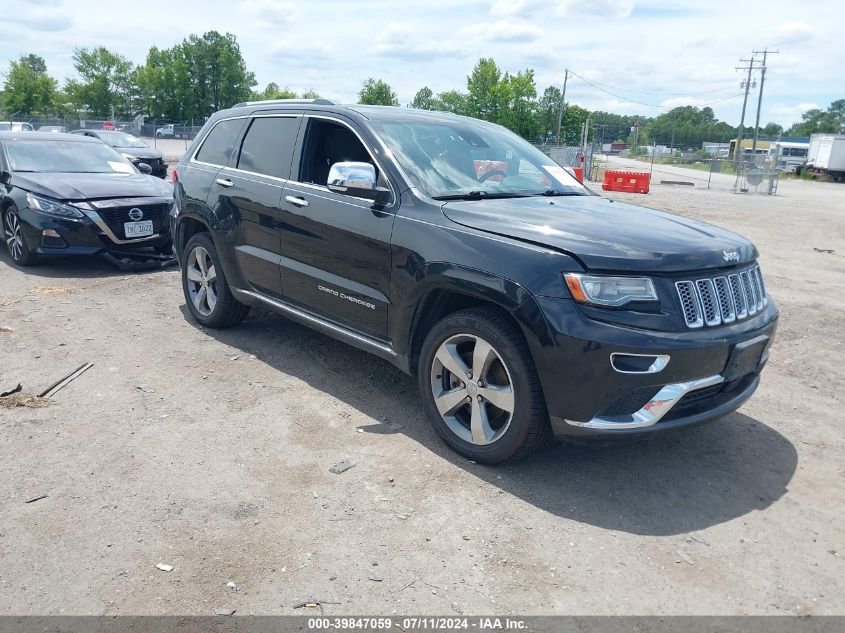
(703, 378)
(89, 235)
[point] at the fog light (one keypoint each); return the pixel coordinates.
(50, 238)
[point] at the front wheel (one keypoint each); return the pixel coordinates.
(206, 290)
(480, 388)
(15, 240)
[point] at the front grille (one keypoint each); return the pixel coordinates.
(717, 300)
(115, 217)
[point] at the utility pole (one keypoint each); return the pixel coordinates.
(765, 52)
(562, 101)
(738, 148)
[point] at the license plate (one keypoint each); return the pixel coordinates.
(137, 229)
(745, 357)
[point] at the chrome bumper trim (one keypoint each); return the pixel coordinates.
(95, 217)
(655, 409)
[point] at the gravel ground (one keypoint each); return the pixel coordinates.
(209, 451)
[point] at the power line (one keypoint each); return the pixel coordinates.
(664, 94)
(642, 103)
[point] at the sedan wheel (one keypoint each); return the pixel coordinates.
(202, 281)
(14, 235)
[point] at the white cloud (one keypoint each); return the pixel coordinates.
(508, 7)
(38, 15)
(269, 13)
(502, 31)
(794, 32)
(405, 40)
(606, 8)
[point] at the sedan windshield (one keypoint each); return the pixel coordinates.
(121, 139)
(65, 157)
(465, 158)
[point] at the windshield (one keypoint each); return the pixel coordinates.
(120, 139)
(65, 157)
(471, 158)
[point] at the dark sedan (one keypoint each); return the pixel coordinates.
(132, 148)
(64, 194)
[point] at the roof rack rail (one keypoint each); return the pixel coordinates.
(319, 101)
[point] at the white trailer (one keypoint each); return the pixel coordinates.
(827, 155)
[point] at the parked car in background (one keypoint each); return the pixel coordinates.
(132, 148)
(66, 194)
(53, 129)
(16, 126)
(166, 131)
(523, 303)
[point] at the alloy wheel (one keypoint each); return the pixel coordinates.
(472, 389)
(14, 236)
(202, 281)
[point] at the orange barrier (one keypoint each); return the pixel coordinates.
(630, 181)
(579, 173)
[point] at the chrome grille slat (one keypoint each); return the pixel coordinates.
(709, 304)
(690, 303)
(726, 303)
(738, 296)
(712, 301)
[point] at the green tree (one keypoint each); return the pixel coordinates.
(272, 91)
(517, 97)
(815, 121)
(772, 130)
(105, 82)
(484, 93)
(28, 89)
(310, 94)
(424, 100)
(547, 111)
(452, 101)
(377, 92)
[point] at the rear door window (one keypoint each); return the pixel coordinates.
(220, 143)
(268, 146)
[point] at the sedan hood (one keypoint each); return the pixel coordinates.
(140, 152)
(607, 235)
(69, 186)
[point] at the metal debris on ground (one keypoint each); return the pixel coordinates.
(164, 567)
(11, 391)
(341, 467)
(224, 611)
(313, 604)
(34, 499)
(62, 382)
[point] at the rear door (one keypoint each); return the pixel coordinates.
(249, 191)
(335, 248)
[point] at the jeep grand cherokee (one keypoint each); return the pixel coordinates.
(522, 302)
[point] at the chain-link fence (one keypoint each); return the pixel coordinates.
(153, 129)
(569, 156)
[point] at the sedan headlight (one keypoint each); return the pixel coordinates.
(610, 291)
(129, 157)
(52, 207)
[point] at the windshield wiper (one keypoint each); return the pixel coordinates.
(558, 192)
(478, 195)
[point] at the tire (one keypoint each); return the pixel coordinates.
(206, 291)
(14, 239)
(518, 422)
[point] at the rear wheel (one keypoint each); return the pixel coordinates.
(14, 238)
(480, 388)
(206, 291)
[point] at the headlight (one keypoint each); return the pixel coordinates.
(52, 207)
(610, 291)
(129, 157)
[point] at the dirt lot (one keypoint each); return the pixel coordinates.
(210, 451)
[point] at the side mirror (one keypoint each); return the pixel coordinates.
(5, 177)
(145, 169)
(356, 179)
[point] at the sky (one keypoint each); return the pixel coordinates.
(628, 56)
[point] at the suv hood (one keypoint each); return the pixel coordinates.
(607, 235)
(92, 186)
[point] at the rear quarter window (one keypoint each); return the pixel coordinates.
(268, 146)
(218, 146)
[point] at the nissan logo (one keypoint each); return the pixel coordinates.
(136, 214)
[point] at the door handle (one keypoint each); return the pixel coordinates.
(296, 201)
(225, 182)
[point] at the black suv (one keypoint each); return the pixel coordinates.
(522, 302)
